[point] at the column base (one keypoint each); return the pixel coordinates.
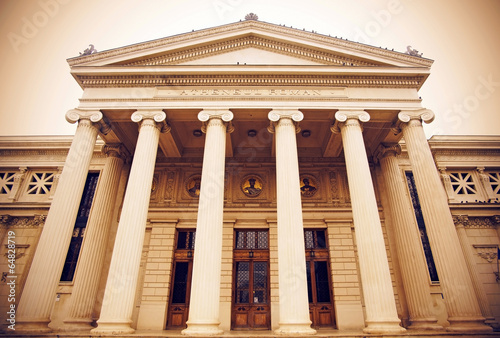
(112, 328)
(202, 329)
(295, 329)
(425, 324)
(464, 324)
(383, 327)
(77, 324)
(33, 326)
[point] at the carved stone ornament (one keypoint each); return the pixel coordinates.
(251, 16)
(89, 50)
(308, 185)
(193, 186)
(251, 185)
(413, 52)
(486, 251)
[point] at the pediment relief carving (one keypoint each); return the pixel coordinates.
(248, 42)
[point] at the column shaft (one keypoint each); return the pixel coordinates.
(39, 292)
(413, 267)
(381, 313)
(461, 303)
(118, 302)
(293, 299)
(205, 286)
(91, 258)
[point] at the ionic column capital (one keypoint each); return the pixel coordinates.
(275, 115)
(224, 115)
(419, 115)
(342, 117)
(116, 150)
(95, 117)
(425, 115)
(157, 116)
(384, 150)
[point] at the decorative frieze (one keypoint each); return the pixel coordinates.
(23, 221)
(486, 222)
(103, 81)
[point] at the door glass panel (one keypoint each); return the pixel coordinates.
(242, 282)
(309, 286)
(260, 282)
(322, 289)
(180, 283)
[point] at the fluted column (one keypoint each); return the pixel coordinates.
(205, 285)
(482, 298)
(39, 292)
(86, 282)
(463, 309)
(293, 300)
(408, 244)
(118, 302)
(381, 313)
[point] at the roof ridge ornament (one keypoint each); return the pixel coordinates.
(413, 52)
(251, 16)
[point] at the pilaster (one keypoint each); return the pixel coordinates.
(119, 294)
(293, 299)
(460, 223)
(463, 309)
(37, 299)
(206, 278)
(381, 313)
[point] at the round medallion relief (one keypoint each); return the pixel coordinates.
(251, 185)
(308, 185)
(193, 185)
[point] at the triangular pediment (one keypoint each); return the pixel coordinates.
(250, 42)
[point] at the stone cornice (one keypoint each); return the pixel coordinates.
(253, 80)
(250, 26)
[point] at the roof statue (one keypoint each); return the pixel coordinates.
(413, 52)
(88, 51)
(251, 16)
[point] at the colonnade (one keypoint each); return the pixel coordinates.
(380, 307)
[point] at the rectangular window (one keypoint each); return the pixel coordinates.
(494, 180)
(315, 239)
(6, 182)
(79, 229)
(252, 239)
(421, 227)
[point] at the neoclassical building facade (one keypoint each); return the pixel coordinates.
(250, 177)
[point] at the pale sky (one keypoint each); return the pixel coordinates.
(461, 36)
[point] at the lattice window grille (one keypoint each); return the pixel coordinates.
(494, 179)
(40, 183)
(6, 182)
(463, 184)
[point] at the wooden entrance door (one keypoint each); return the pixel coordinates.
(180, 290)
(318, 279)
(251, 303)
